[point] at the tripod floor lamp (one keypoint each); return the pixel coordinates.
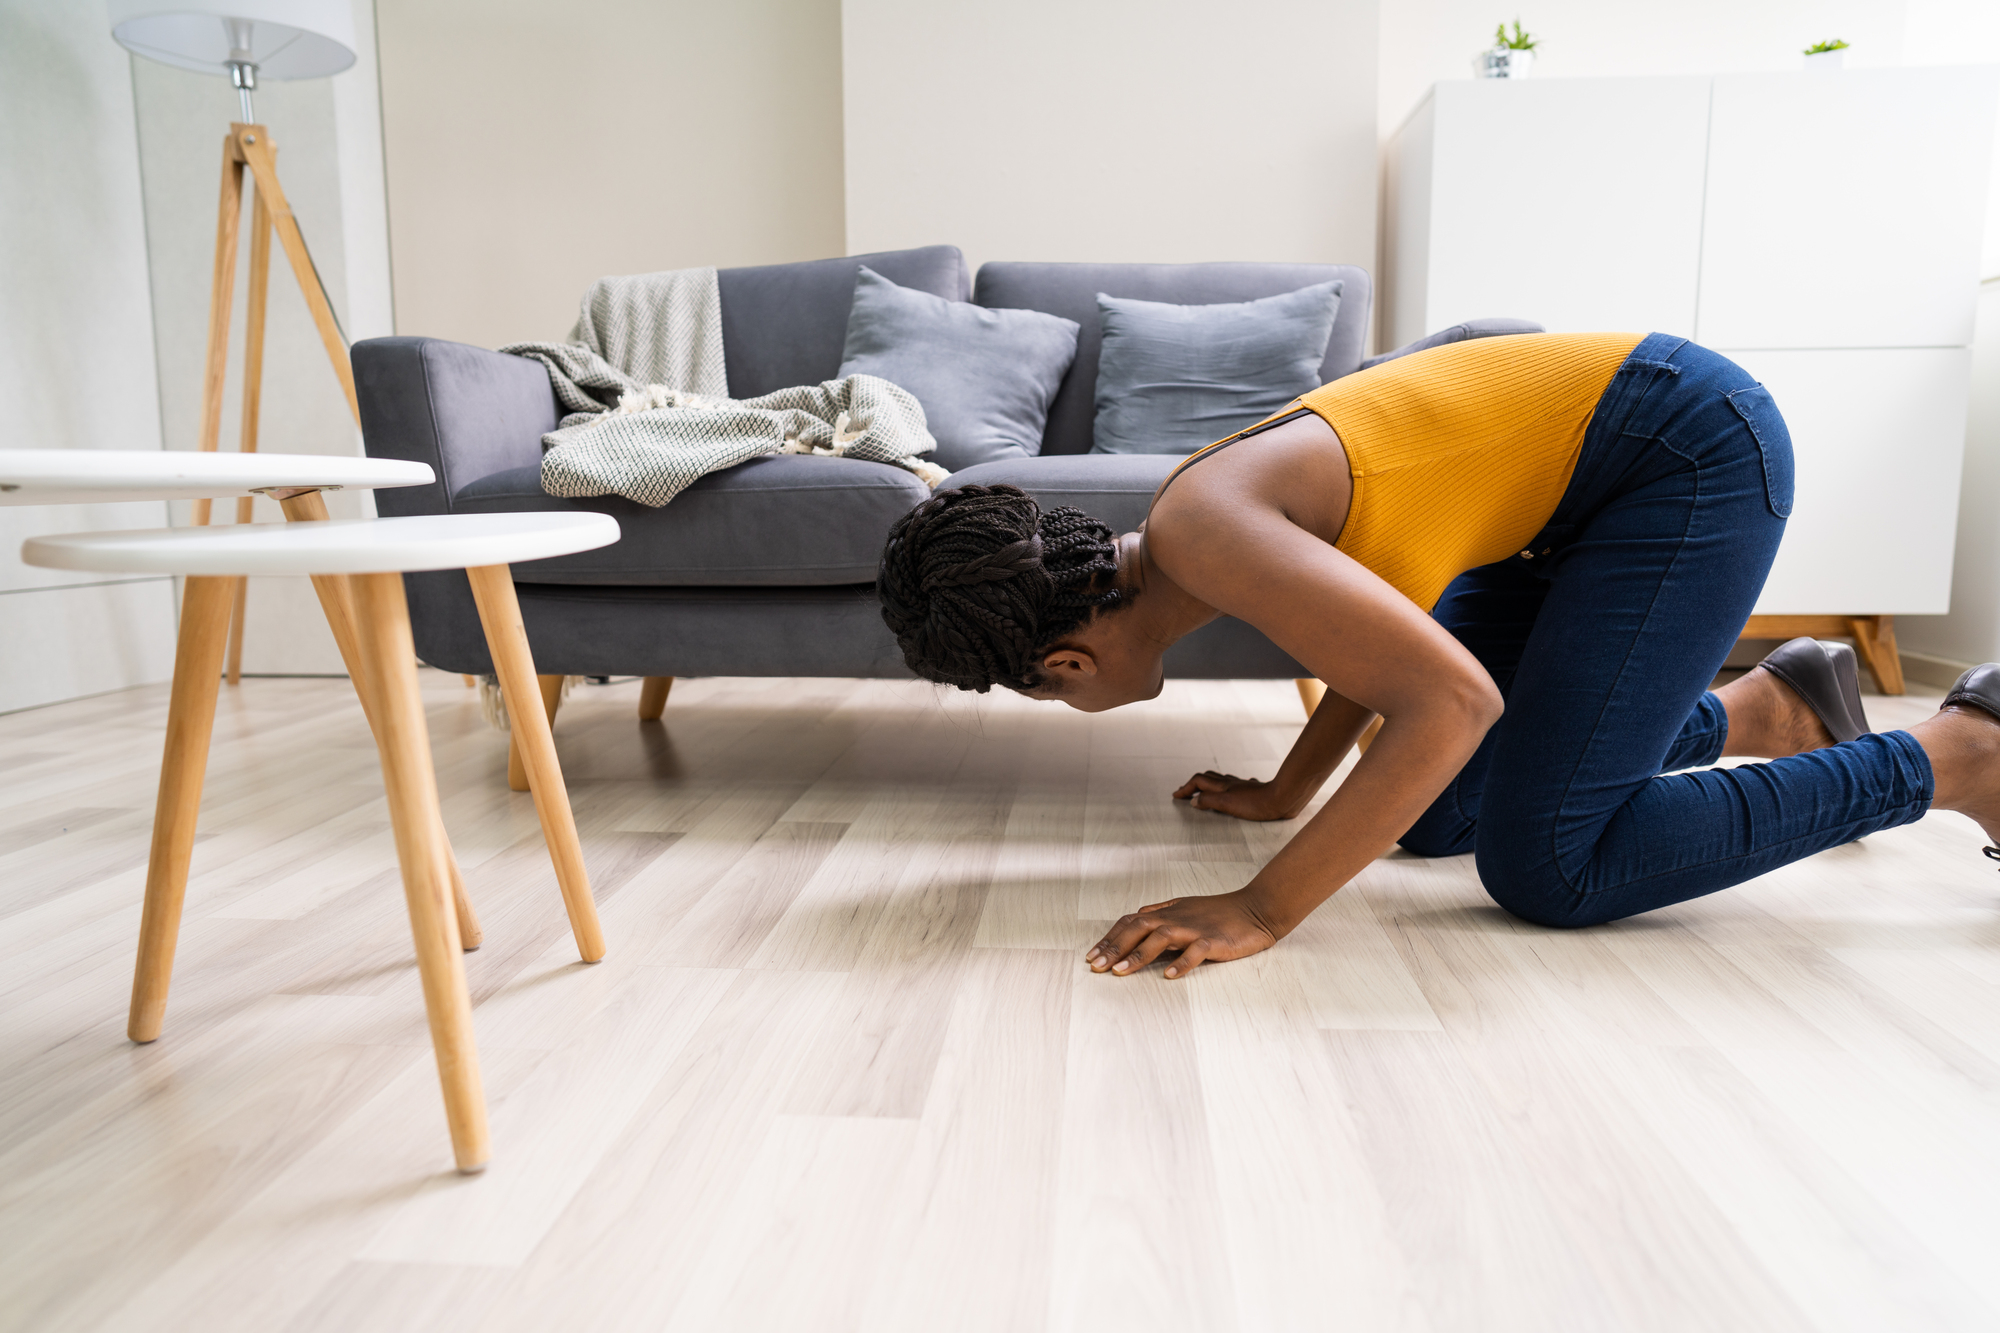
(246, 40)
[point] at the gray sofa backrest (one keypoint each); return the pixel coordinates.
(1070, 290)
(785, 324)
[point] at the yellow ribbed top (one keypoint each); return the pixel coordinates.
(1460, 453)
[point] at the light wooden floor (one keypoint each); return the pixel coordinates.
(844, 1068)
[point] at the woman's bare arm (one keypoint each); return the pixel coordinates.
(1328, 735)
(1372, 646)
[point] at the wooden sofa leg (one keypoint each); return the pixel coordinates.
(517, 771)
(653, 697)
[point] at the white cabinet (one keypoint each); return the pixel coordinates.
(1599, 180)
(1845, 210)
(1875, 510)
(1822, 230)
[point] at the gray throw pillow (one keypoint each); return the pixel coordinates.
(1176, 377)
(985, 377)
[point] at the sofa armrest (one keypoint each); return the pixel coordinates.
(1458, 333)
(464, 410)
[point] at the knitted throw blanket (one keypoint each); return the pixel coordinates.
(643, 387)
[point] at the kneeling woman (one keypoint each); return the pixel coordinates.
(1530, 555)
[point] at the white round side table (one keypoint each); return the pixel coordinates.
(105, 476)
(363, 563)
(295, 481)
(108, 476)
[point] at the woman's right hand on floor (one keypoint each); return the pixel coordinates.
(1245, 798)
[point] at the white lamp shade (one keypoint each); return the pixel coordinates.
(289, 39)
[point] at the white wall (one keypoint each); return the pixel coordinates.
(1938, 31)
(533, 148)
(76, 346)
(1424, 41)
(1157, 130)
(328, 136)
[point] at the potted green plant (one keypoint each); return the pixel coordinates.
(1826, 55)
(1510, 57)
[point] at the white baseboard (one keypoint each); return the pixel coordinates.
(1927, 670)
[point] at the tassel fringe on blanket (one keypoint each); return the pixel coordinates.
(493, 706)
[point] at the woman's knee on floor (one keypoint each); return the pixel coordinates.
(1536, 893)
(1439, 831)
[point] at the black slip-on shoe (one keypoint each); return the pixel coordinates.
(1978, 688)
(1828, 678)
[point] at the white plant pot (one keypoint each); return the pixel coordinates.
(1503, 63)
(1823, 60)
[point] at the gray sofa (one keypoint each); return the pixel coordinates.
(767, 568)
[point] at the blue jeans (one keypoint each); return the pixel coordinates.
(1603, 637)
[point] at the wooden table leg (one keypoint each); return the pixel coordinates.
(507, 641)
(238, 608)
(204, 630)
(653, 697)
(337, 601)
(517, 768)
(388, 655)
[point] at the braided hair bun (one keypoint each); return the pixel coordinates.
(978, 583)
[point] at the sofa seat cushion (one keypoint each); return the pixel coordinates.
(788, 520)
(1115, 488)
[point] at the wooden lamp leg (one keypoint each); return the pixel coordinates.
(253, 142)
(221, 294)
(383, 629)
(253, 392)
(190, 721)
(517, 770)
(336, 599)
(653, 697)
(507, 640)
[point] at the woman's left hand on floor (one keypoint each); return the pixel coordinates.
(1245, 798)
(1204, 930)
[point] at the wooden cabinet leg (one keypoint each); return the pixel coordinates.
(336, 600)
(653, 697)
(1310, 693)
(1875, 641)
(388, 656)
(517, 771)
(204, 630)
(507, 641)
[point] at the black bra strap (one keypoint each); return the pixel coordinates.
(1225, 442)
